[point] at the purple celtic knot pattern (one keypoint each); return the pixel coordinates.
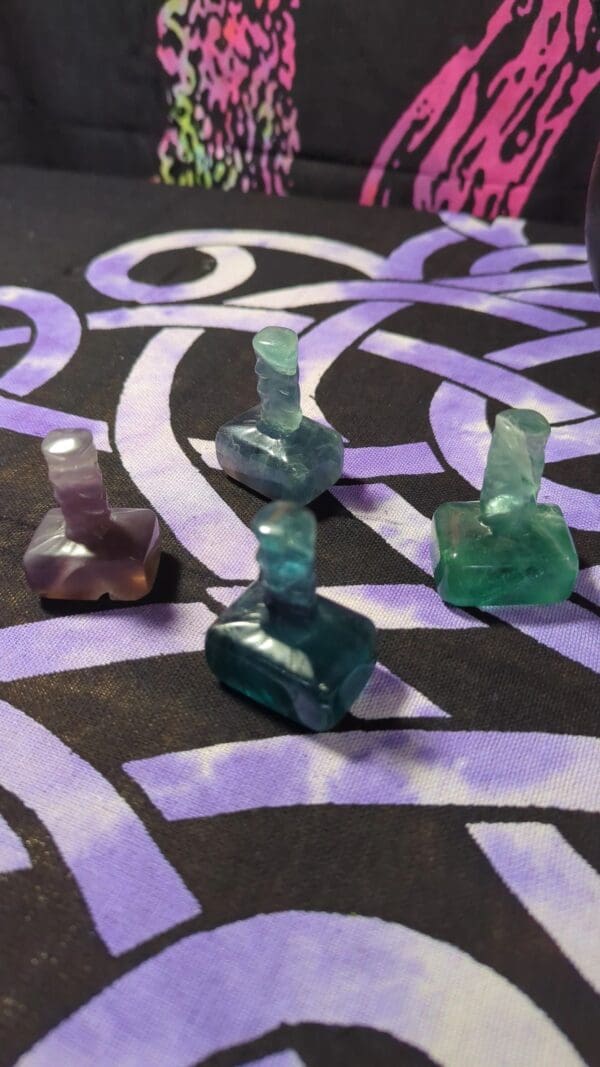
(102, 819)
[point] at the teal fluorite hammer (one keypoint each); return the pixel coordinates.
(283, 645)
(274, 448)
(505, 548)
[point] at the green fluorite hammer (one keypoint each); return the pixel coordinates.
(505, 548)
(283, 645)
(274, 448)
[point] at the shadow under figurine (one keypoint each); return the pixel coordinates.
(505, 548)
(82, 549)
(273, 448)
(283, 645)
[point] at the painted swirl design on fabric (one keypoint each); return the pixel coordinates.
(232, 120)
(161, 971)
(478, 136)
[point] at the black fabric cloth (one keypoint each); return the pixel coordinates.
(80, 87)
(497, 97)
(404, 932)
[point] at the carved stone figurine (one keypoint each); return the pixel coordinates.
(283, 645)
(274, 448)
(83, 549)
(505, 548)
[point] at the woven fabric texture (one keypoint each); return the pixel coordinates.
(185, 878)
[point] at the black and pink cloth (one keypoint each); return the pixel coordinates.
(488, 107)
(185, 878)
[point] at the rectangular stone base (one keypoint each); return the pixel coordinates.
(532, 562)
(298, 466)
(309, 673)
(123, 563)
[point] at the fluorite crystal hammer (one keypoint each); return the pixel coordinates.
(283, 645)
(83, 549)
(274, 448)
(505, 548)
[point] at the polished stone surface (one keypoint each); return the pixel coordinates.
(83, 549)
(505, 548)
(273, 448)
(514, 465)
(283, 645)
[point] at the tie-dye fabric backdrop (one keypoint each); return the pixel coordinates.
(486, 106)
(286, 95)
(185, 878)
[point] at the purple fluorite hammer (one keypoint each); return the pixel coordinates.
(83, 549)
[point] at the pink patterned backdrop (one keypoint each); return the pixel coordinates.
(484, 127)
(476, 136)
(232, 119)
